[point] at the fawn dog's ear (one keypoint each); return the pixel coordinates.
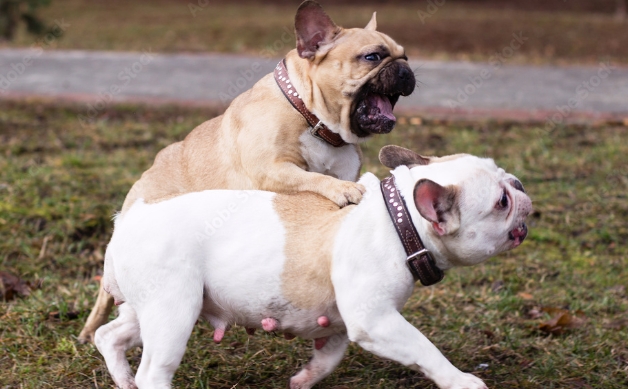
(372, 25)
(313, 28)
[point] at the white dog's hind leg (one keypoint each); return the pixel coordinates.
(113, 340)
(166, 324)
(322, 364)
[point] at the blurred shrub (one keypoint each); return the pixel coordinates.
(14, 12)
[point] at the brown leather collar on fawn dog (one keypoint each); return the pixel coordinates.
(420, 260)
(318, 129)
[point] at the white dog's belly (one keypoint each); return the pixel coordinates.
(220, 252)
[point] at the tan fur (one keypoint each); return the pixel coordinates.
(311, 222)
(98, 316)
(255, 143)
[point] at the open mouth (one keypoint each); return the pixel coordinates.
(374, 113)
(518, 235)
(372, 110)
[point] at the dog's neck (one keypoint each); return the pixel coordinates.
(405, 183)
(372, 211)
(300, 70)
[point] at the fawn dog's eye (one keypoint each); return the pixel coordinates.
(373, 57)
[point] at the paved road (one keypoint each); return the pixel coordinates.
(446, 89)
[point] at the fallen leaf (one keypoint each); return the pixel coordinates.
(416, 121)
(562, 320)
(525, 296)
(12, 286)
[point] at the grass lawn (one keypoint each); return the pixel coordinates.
(472, 30)
(60, 184)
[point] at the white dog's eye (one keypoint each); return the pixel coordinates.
(373, 57)
(503, 201)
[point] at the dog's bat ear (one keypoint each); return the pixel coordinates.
(392, 156)
(439, 205)
(373, 23)
(313, 28)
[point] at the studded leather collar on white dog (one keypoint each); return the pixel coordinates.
(420, 260)
(318, 129)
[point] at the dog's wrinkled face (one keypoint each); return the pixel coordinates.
(473, 208)
(361, 73)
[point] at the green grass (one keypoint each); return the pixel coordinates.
(469, 31)
(62, 182)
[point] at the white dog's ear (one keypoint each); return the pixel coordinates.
(439, 205)
(372, 23)
(392, 156)
(313, 27)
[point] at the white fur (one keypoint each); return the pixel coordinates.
(340, 162)
(220, 255)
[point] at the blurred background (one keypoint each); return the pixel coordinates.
(90, 91)
(561, 31)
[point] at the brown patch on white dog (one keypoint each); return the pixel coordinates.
(311, 222)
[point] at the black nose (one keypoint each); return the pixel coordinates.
(405, 80)
(405, 74)
(518, 185)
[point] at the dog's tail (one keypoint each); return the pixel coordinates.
(109, 283)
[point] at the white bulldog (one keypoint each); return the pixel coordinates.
(302, 265)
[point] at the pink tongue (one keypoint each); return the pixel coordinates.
(385, 107)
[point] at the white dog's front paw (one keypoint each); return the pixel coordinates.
(465, 381)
